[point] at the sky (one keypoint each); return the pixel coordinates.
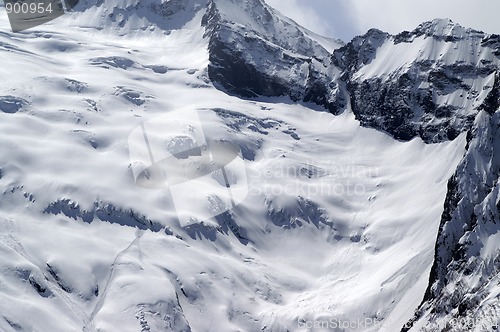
(345, 19)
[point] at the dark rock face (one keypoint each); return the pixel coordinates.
(11, 104)
(104, 212)
(360, 51)
(492, 102)
(278, 60)
(240, 77)
(411, 101)
(492, 41)
(405, 110)
(70, 4)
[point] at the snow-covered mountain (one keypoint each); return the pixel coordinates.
(434, 79)
(372, 172)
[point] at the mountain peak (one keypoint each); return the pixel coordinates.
(445, 28)
(441, 27)
(440, 22)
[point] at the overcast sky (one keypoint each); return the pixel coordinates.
(345, 19)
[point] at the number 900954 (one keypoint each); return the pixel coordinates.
(28, 8)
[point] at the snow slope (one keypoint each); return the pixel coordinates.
(340, 222)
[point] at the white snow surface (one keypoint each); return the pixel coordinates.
(340, 222)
